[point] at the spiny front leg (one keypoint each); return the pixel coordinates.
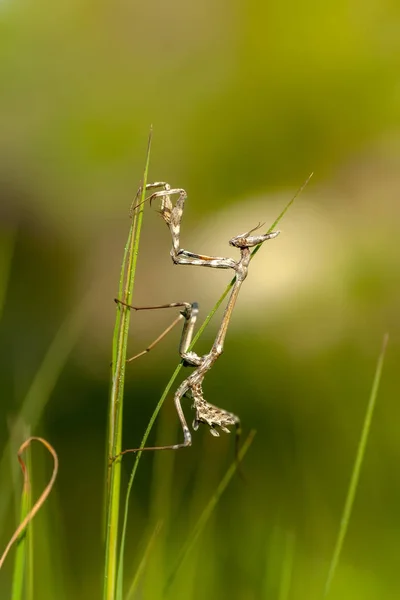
(149, 186)
(172, 216)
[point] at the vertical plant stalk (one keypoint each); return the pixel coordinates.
(355, 476)
(120, 341)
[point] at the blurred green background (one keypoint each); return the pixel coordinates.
(246, 99)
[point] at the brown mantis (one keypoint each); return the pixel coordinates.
(216, 418)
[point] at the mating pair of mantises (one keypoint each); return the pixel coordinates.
(192, 386)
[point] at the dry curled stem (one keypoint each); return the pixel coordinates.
(43, 496)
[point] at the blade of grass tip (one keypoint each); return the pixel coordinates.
(344, 523)
(43, 497)
(115, 346)
(204, 517)
(43, 385)
(120, 342)
(143, 562)
(288, 205)
(110, 430)
(22, 559)
(125, 289)
(201, 330)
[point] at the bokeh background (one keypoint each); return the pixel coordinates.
(246, 99)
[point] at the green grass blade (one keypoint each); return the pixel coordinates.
(120, 342)
(344, 523)
(204, 517)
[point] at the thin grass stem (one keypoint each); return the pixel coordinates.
(119, 351)
(355, 476)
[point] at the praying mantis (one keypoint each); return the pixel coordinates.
(192, 386)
